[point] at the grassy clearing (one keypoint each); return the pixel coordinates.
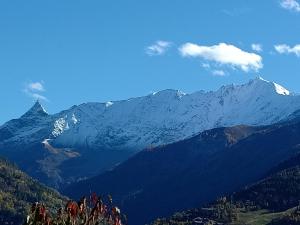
(259, 217)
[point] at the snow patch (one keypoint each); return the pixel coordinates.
(108, 104)
(74, 119)
(60, 126)
(281, 90)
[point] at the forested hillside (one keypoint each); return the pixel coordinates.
(18, 192)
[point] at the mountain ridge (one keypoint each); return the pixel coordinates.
(114, 131)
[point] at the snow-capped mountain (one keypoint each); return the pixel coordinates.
(128, 126)
(170, 115)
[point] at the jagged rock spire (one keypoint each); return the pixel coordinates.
(36, 110)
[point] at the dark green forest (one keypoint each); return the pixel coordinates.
(18, 192)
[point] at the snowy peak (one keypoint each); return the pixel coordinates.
(169, 94)
(256, 87)
(36, 110)
(259, 84)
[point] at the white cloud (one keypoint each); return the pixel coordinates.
(36, 86)
(212, 68)
(205, 65)
(38, 96)
(224, 54)
(220, 73)
(158, 48)
(257, 47)
(34, 89)
(236, 11)
(292, 5)
(286, 49)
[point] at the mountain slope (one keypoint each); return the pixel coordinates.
(90, 138)
(194, 171)
(18, 192)
(272, 200)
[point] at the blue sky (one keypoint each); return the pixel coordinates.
(70, 52)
